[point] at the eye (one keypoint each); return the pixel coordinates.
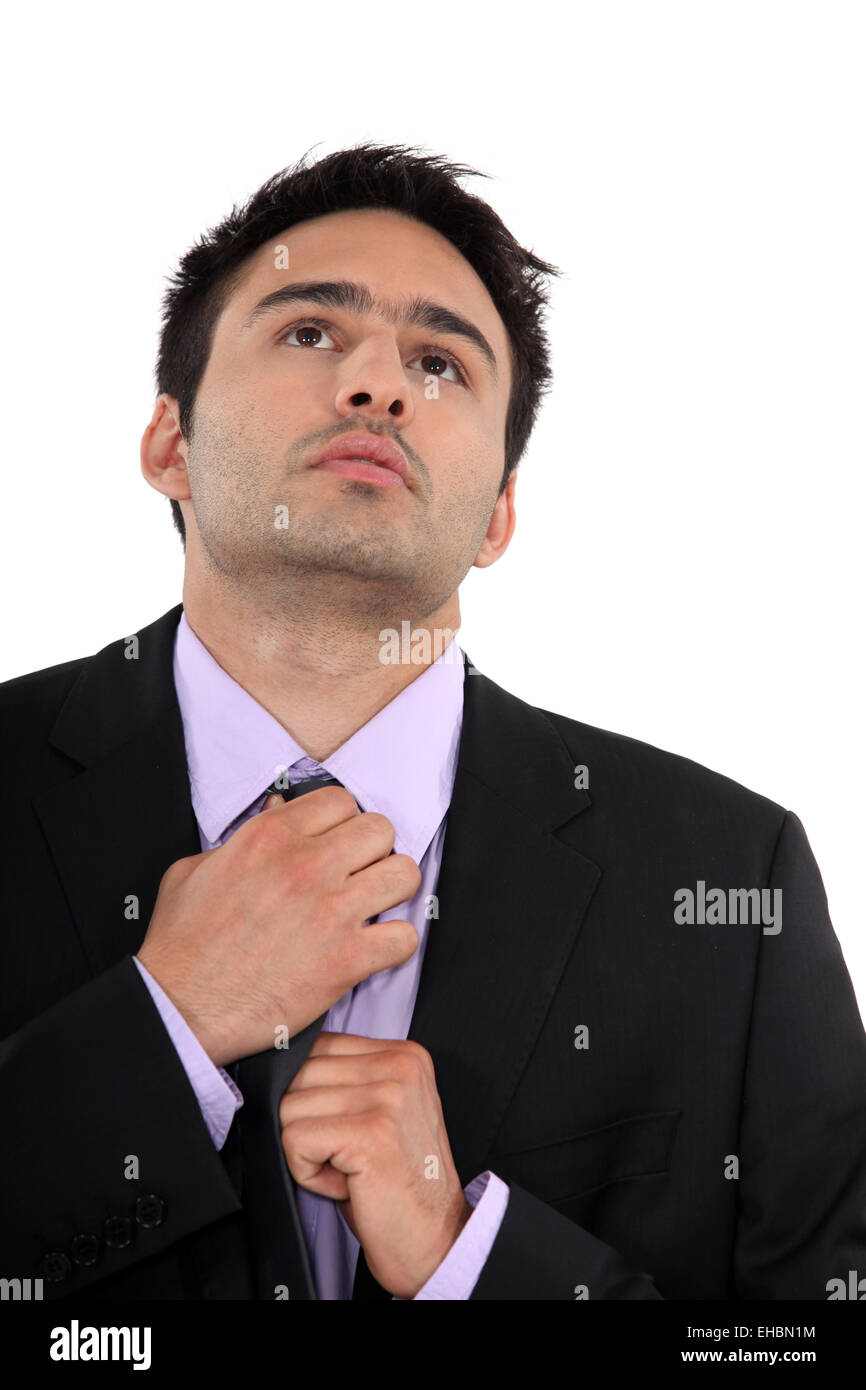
(308, 326)
(438, 355)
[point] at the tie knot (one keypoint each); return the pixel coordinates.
(306, 775)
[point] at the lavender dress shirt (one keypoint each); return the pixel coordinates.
(401, 764)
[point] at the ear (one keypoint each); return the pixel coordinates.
(501, 528)
(163, 451)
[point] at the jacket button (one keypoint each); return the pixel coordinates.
(56, 1267)
(150, 1210)
(85, 1249)
(117, 1232)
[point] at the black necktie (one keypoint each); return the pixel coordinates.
(279, 1248)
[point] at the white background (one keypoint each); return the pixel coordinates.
(687, 564)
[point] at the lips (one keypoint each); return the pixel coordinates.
(373, 452)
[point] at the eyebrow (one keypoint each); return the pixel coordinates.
(347, 294)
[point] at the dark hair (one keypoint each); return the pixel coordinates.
(385, 176)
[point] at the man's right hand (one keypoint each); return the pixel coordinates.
(269, 929)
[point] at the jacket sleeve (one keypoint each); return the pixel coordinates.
(802, 1185)
(106, 1159)
(802, 1148)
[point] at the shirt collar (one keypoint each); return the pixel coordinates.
(401, 763)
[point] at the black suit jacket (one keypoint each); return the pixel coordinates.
(698, 1045)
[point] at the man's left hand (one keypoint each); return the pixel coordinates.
(362, 1123)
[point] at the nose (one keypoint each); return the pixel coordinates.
(374, 378)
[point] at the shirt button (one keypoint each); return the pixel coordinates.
(150, 1210)
(117, 1232)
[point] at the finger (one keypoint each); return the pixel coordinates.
(328, 1182)
(383, 885)
(356, 1070)
(318, 811)
(362, 840)
(342, 1046)
(319, 1139)
(347, 1098)
(383, 945)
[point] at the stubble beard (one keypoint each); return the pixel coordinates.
(333, 571)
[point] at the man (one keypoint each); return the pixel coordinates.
(493, 1005)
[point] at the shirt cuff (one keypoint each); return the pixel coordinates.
(216, 1093)
(457, 1275)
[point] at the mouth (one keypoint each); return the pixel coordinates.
(366, 457)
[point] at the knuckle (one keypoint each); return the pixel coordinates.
(340, 798)
(175, 871)
(375, 823)
(406, 1068)
(416, 1057)
(381, 1127)
(262, 832)
(391, 1096)
(409, 870)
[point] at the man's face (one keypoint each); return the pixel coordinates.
(278, 390)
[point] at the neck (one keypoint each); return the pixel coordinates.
(321, 675)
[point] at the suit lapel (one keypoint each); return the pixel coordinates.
(115, 827)
(511, 898)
